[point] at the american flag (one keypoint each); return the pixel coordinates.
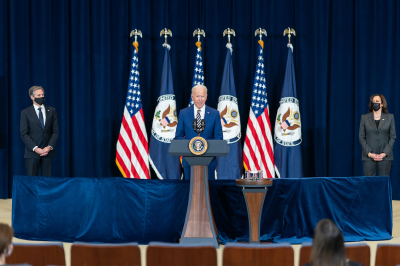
(198, 74)
(258, 151)
(132, 146)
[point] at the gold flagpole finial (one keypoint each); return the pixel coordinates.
(199, 33)
(166, 31)
(229, 32)
(289, 31)
(260, 32)
(136, 33)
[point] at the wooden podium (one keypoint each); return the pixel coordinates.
(254, 192)
(199, 223)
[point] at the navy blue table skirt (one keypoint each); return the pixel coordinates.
(117, 210)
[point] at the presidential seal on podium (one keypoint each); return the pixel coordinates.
(198, 145)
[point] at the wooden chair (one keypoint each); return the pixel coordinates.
(359, 252)
(305, 252)
(105, 254)
(180, 254)
(387, 255)
(235, 254)
(37, 254)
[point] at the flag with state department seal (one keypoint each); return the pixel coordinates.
(230, 166)
(287, 138)
(164, 127)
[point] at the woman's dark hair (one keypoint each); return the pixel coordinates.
(383, 100)
(328, 247)
(6, 235)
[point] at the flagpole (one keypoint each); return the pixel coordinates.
(198, 73)
(289, 31)
(132, 155)
(136, 33)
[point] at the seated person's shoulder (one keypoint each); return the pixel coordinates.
(349, 263)
(354, 263)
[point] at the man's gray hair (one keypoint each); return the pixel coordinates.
(199, 86)
(33, 89)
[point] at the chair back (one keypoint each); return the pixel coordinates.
(105, 254)
(180, 255)
(305, 252)
(387, 255)
(359, 252)
(235, 254)
(37, 254)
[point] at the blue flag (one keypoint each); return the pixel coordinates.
(164, 127)
(287, 138)
(198, 74)
(230, 166)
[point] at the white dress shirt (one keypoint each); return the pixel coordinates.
(202, 111)
(43, 109)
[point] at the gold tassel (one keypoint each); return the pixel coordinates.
(198, 44)
(136, 45)
(261, 43)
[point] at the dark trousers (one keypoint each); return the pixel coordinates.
(34, 164)
(382, 166)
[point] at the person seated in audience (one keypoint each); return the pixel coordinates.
(6, 247)
(328, 246)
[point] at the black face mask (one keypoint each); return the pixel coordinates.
(376, 106)
(39, 101)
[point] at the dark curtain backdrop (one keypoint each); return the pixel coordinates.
(79, 51)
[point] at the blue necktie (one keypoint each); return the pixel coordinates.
(198, 118)
(41, 117)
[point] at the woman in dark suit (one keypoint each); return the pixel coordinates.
(377, 135)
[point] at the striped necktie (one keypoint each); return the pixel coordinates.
(198, 118)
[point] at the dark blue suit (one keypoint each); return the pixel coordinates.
(212, 131)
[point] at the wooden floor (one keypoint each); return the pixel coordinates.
(5, 217)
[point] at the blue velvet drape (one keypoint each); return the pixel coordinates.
(79, 51)
(125, 210)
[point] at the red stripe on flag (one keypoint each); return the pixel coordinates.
(252, 153)
(246, 163)
(121, 164)
(128, 155)
(260, 148)
(267, 143)
(139, 131)
(135, 150)
(266, 113)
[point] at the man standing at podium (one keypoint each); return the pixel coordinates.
(212, 129)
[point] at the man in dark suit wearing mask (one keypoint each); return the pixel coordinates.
(39, 132)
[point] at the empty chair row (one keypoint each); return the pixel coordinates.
(175, 254)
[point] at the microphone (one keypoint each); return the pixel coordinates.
(203, 124)
(195, 125)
